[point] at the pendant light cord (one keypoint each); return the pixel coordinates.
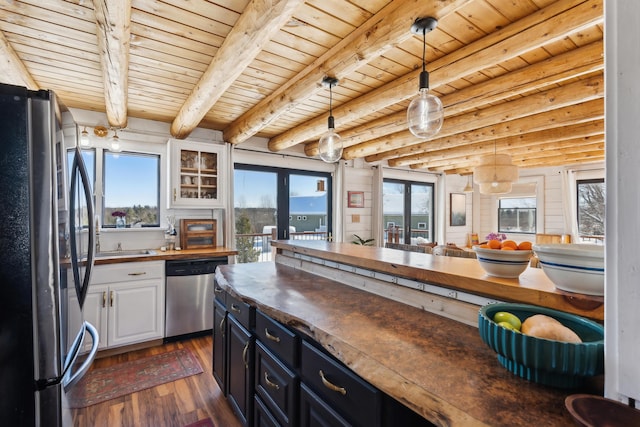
(424, 49)
(330, 99)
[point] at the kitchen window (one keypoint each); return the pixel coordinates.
(131, 185)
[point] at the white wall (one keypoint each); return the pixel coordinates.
(622, 275)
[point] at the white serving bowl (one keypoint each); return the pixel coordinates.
(499, 263)
(573, 267)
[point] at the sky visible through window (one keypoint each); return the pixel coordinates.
(131, 179)
(252, 188)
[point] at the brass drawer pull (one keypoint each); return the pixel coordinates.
(111, 299)
(244, 355)
(331, 386)
(269, 382)
(142, 273)
(217, 290)
(270, 336)
(104, 299)
(235, 308)
(222, 325)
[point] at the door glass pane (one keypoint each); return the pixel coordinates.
(421, 212)
(393, 211)
(308, 207)
(255, 207)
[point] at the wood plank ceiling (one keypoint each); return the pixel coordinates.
(519, 77)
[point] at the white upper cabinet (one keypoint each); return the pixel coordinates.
(197, 174)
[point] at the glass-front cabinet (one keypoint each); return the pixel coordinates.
(197, 174)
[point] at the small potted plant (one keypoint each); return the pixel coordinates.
(120, 216)
(360, 241)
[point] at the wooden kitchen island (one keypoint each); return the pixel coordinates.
(437, 366)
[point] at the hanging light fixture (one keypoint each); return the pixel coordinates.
(469, 187)
(84, 138)
(425, 113)
(115, 142)
(496, 173)
(330, 144)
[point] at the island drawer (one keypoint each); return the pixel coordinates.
(355, 399)
(277, 338)
(276, 385)
(243, 312)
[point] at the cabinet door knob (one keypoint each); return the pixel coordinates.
(330, 385)
(269, 382)
(270, 336)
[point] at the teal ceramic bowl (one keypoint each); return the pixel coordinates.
(553, 363)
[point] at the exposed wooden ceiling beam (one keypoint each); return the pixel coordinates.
(12, 69)
(587, 155)
(381, 32)
(259, 22)
(531, 149)
(558, 119)
(113, 21)
(509, 144)
(538, 76)
(551, 23)
(552, 99)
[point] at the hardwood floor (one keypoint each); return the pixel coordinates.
(175, 404)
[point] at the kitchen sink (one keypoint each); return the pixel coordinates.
(124, 253)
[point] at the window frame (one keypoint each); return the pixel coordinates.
(103, 171)
(407, 215)
(580, 181)
(517, 214)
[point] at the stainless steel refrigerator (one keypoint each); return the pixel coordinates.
(46, 244)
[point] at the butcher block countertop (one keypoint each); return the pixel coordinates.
(169, 255)
(463, 274)
(438, 367)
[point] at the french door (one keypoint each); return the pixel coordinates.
(278, 203)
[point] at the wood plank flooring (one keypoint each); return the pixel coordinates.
(175, 404)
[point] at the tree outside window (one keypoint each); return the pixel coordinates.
(591, 209)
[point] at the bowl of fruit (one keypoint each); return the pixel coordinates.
(543, 345)
(503, 259)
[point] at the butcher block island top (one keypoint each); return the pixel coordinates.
(438, 367)
(461, 274)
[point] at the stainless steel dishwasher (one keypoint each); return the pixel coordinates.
(189, 296)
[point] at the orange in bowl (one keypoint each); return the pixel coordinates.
(526, 246)
(494, 244)
(509, 244)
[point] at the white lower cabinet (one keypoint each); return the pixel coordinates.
(125, 302)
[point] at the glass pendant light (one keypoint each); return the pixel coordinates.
(469, 187)
(115, 142)
(84, 138)
(425, 114)
(330, 144)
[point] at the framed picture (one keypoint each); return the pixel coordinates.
(458, 209)
(355, 199)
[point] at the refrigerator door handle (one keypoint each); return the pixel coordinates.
(81, 284)
(71, 379)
